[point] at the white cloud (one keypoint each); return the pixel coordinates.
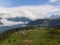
(9, 23)
(31, 12)
(53, 0)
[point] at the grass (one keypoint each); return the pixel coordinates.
(37, 36)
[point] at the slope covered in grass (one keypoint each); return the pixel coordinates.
(36, 36)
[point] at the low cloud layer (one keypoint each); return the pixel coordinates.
(31, 12)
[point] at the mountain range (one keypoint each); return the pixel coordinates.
(16, 17)
(45, 22)
(53, 17)
(39, 22)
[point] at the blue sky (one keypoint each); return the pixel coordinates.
(16, 3)
(28, 2)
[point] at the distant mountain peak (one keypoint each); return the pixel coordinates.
(53, 17)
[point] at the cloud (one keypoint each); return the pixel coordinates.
(31, 12)
(10, 23)
(53, 1)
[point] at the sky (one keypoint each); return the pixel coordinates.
(32, 9)
(16, 3)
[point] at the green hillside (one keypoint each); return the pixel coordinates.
(36, 36)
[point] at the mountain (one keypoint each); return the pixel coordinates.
(16, 19)
(53, 23)
(45, 22)
(19, 19)
(37, 22)
(53, 17)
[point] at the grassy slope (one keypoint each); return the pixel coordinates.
(37, 35)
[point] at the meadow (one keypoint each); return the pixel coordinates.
(36, 36)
